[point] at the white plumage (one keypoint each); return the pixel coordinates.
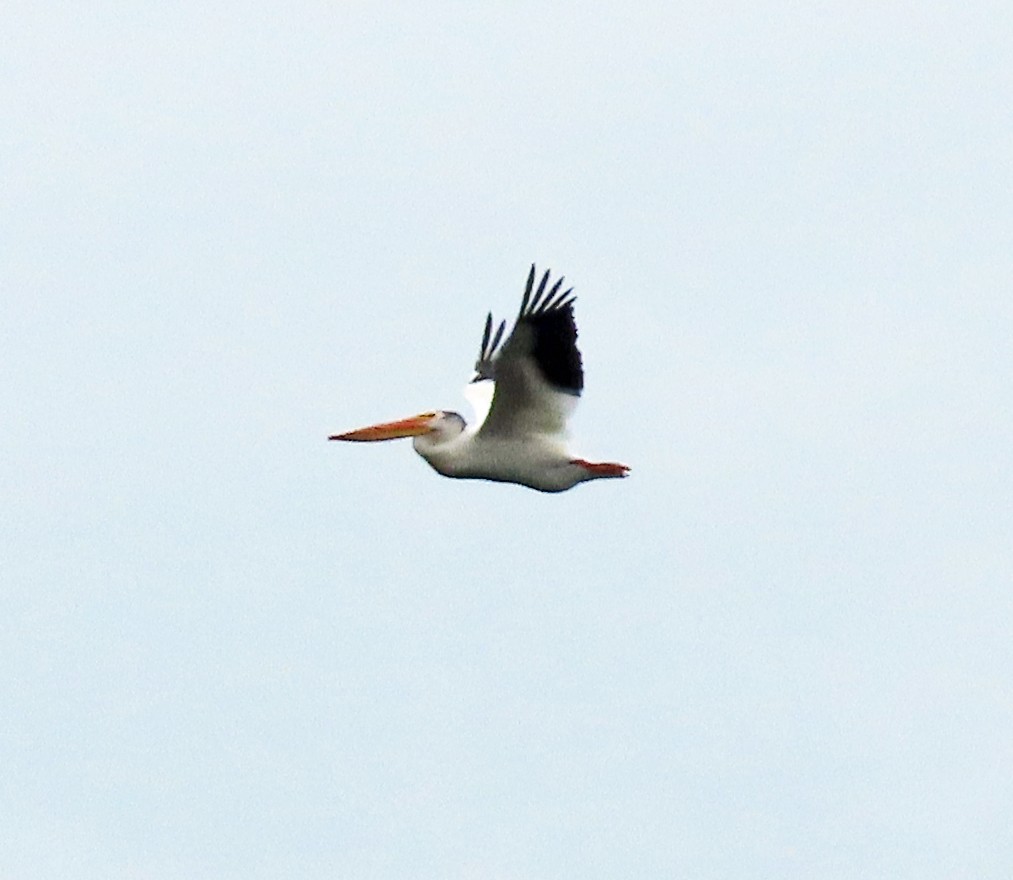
(537, 378)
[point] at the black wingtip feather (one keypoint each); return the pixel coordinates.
(555, 349)
(486, 335)
(499, 336)
(549, 317)
(555, 334)
(527, 292)
(535, 303)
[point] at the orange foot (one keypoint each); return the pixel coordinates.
(602, 468)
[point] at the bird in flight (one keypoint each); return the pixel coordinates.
(535, 379)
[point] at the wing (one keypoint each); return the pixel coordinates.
(479, 395)
(538, 371)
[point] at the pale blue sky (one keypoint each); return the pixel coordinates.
(783, 648)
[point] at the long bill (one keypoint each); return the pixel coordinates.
(411, 427)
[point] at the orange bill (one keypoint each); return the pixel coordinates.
(411, 427)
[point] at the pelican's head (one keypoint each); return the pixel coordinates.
(438, 426)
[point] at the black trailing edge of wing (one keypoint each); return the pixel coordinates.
(549, 317)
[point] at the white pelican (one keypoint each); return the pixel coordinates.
(538, 378)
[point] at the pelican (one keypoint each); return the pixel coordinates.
(537, 377)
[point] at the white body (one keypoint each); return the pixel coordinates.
(538, 378)
(538, 461)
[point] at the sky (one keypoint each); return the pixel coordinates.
(782, 648)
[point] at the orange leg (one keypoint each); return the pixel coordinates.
(602, 468)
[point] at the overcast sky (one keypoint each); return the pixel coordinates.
(783, 648)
